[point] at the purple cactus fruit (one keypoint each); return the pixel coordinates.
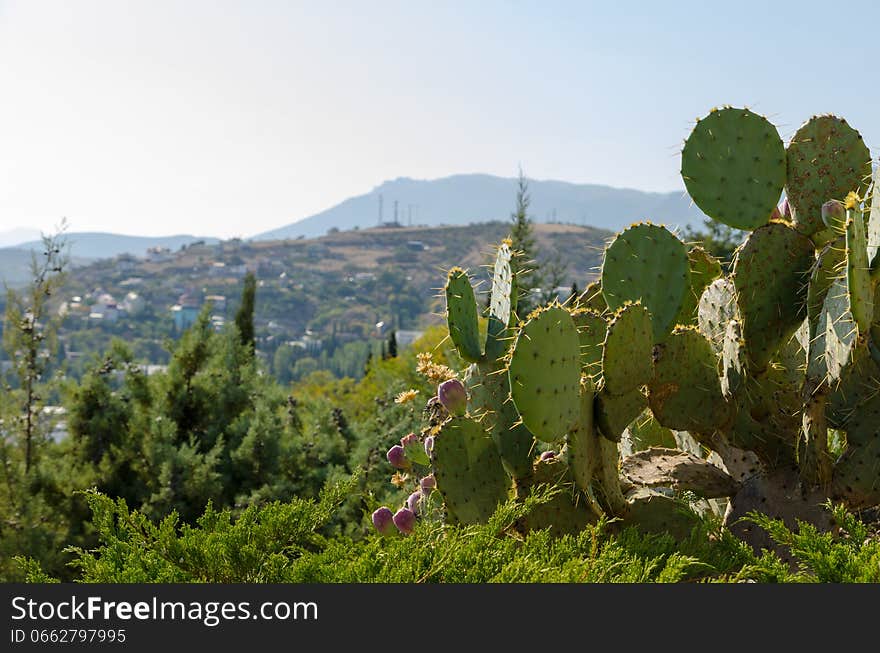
(429, 445)
(427, 484)
(397, 457)
(834, 214)
(409, 440)
(548, 455)
(786, 209)
(383, 520)
(404, 519)
(453, 396)
(412, 502)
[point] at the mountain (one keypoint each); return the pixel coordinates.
(13, 237)
(92, 245)
(463, 199)
(84, 247)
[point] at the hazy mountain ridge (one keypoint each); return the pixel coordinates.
(84, 247)
(467, 198)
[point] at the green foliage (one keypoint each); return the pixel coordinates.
(244, 317)
(285, 543)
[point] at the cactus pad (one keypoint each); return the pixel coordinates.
(545, 373)
(770, 272)
(468, 470)
(500, 303)
(857, 473)
(685, 393)
(653, 511)
(836, 333)
(858, 277)
(732, 359)
(678, 470)
(645, 432)
(613, 413)
(647, 263)
(592, 330)
(733, 165)
(592, 298)
(566, 513)
(626, 355)
(489, 390)
(828, 267)
(826, 159)
(705, 269)
(873, 227)
(716, 309)
(461, 315)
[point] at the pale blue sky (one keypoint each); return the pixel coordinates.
(231, 118)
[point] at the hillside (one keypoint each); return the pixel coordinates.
(463, 199)
(335, 288)
(85, 247)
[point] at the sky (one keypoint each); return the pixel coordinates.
(227, 119)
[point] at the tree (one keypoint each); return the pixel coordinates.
(523, 244)
(29, 335)
(392, 344)
(717, 238)
(244, 317)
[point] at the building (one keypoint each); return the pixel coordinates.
(105, 309)
(185, 312)
(158, 254)
(133, 304)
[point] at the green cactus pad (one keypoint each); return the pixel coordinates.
(858, 273)
(666, 467)
(645, 432)
(567, 513)
(592, 298)
(716, 309)
(582, 446)
(614, 413)
(733, 165)
(770, 272)
(685, 393)
(859, 384)
(767, 420)
(863, 424)
(857, 473)
(651, 511)
(497, 337)
(626, 354)
(836, 334)
(461, 315)
(829, 266)
(545, 373)
(592, 330)
(489, 390)
(647, 263)
(705, 269)
(826, 159)
(468, 470)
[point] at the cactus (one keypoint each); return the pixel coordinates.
(733, 166)
(666, 378)
(647, 263)
(826, 159)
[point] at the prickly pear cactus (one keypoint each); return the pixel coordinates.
(737, 377)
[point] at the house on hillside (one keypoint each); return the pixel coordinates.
(158, 254)
(185, 311)
(105, 309)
